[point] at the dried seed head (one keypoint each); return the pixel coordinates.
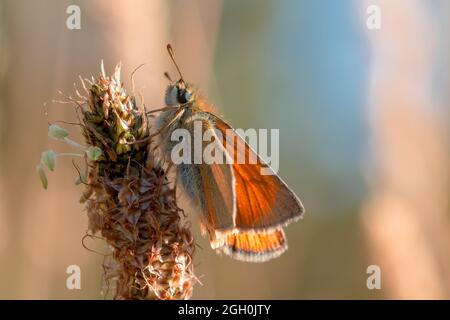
(129, 200)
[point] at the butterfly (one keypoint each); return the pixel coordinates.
(242, 210)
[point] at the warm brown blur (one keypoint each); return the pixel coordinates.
(406, 217)
(363, 118)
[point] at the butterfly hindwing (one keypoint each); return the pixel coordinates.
(253, 246)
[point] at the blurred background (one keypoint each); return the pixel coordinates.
(364, 135)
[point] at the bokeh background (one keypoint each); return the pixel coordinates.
(364, 135)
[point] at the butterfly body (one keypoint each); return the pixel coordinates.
(243, 210)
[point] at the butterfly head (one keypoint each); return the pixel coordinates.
(179, 93)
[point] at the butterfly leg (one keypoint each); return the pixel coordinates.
(177, 115)
(160, 110)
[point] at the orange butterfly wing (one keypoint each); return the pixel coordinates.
(253, 246)
(263, 202)
(211, 186)
(217, 196)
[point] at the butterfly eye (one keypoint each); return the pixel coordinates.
(184, 96)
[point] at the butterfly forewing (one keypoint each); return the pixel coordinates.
(211, 185)
(262, 201)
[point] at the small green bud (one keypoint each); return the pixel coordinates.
(48, 159)
(42, 176)
(94, 153)
(56, 132)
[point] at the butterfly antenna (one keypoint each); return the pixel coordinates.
(172, 56)
(167, 75)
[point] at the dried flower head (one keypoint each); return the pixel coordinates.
(128, 198)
